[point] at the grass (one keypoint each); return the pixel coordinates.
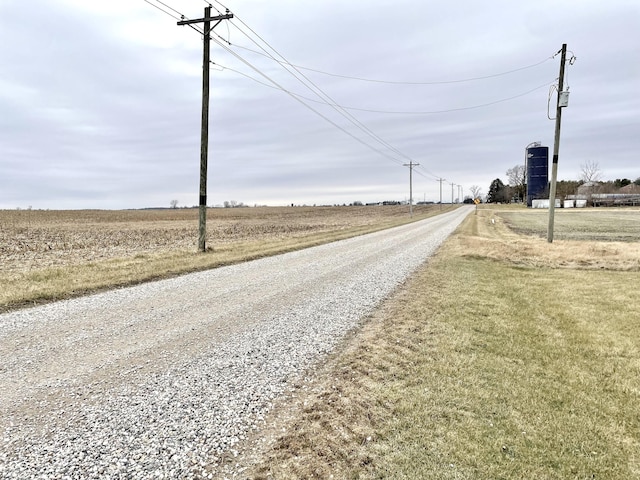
(621, 224)
(482, 366)
(51, 255)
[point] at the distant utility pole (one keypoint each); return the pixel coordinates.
(556, 144)
(411, 165)
(441, 180)
(204, 135)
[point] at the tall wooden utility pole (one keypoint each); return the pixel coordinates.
(441, 180)
(204, 134)
(411, 165)
(556, 146)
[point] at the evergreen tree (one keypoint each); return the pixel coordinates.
(497, 192)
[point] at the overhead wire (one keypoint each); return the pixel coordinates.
(319, 92)
(390, 112)
(428, 175)
(282, 88)
(330, 101)
(344, 110)
(324, 97)
(170, 8)
(398, 82)
(303, 103)
(181, 17)
(226, 23)
(161, 9)
(306, 82)
(458, 109)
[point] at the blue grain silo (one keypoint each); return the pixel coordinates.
(537, 173)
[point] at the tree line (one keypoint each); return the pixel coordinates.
(516, 188)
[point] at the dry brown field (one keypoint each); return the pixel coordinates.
(48, 255)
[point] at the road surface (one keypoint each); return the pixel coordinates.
(163, 379)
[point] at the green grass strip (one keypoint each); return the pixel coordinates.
(499, 372)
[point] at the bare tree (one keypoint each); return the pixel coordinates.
(475, 191)
(173, 203)
(590, 172)
(517, 179)
(516, 175)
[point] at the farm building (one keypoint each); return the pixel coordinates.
(591, 193)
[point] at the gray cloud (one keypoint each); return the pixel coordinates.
(100, 104)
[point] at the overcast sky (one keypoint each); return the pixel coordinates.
(100, 101)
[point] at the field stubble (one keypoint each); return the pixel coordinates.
(48, 255)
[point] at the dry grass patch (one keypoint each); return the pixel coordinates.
(482, 366)
(501, 236)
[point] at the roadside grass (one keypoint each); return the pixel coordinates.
(619, 224)
(480, 367)
(48, 256)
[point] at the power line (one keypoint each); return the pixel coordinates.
(299, 96)
(322, 94)
(327, 100)
(324, 117)
(330, 101)
(397, 82)
(390, 112)
(433, 112)
(392, 82)
(216, 1)
(279, 86)
(161, 9)
(220, 13)
(170, 8)
(342, 110)
(181, 17)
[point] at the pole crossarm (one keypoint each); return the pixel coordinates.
(206, 19)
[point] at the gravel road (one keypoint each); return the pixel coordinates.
(163, 379)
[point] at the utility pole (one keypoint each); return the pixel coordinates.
(411, 165)
(441, 180)
(556, 146)
(204, 134)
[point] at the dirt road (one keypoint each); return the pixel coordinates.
(162, 379)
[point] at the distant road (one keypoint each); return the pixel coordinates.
(164, 378)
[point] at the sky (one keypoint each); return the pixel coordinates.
(311, 102)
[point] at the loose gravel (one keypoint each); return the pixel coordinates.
(165, 379)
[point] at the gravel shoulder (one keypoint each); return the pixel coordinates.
(163, 380)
